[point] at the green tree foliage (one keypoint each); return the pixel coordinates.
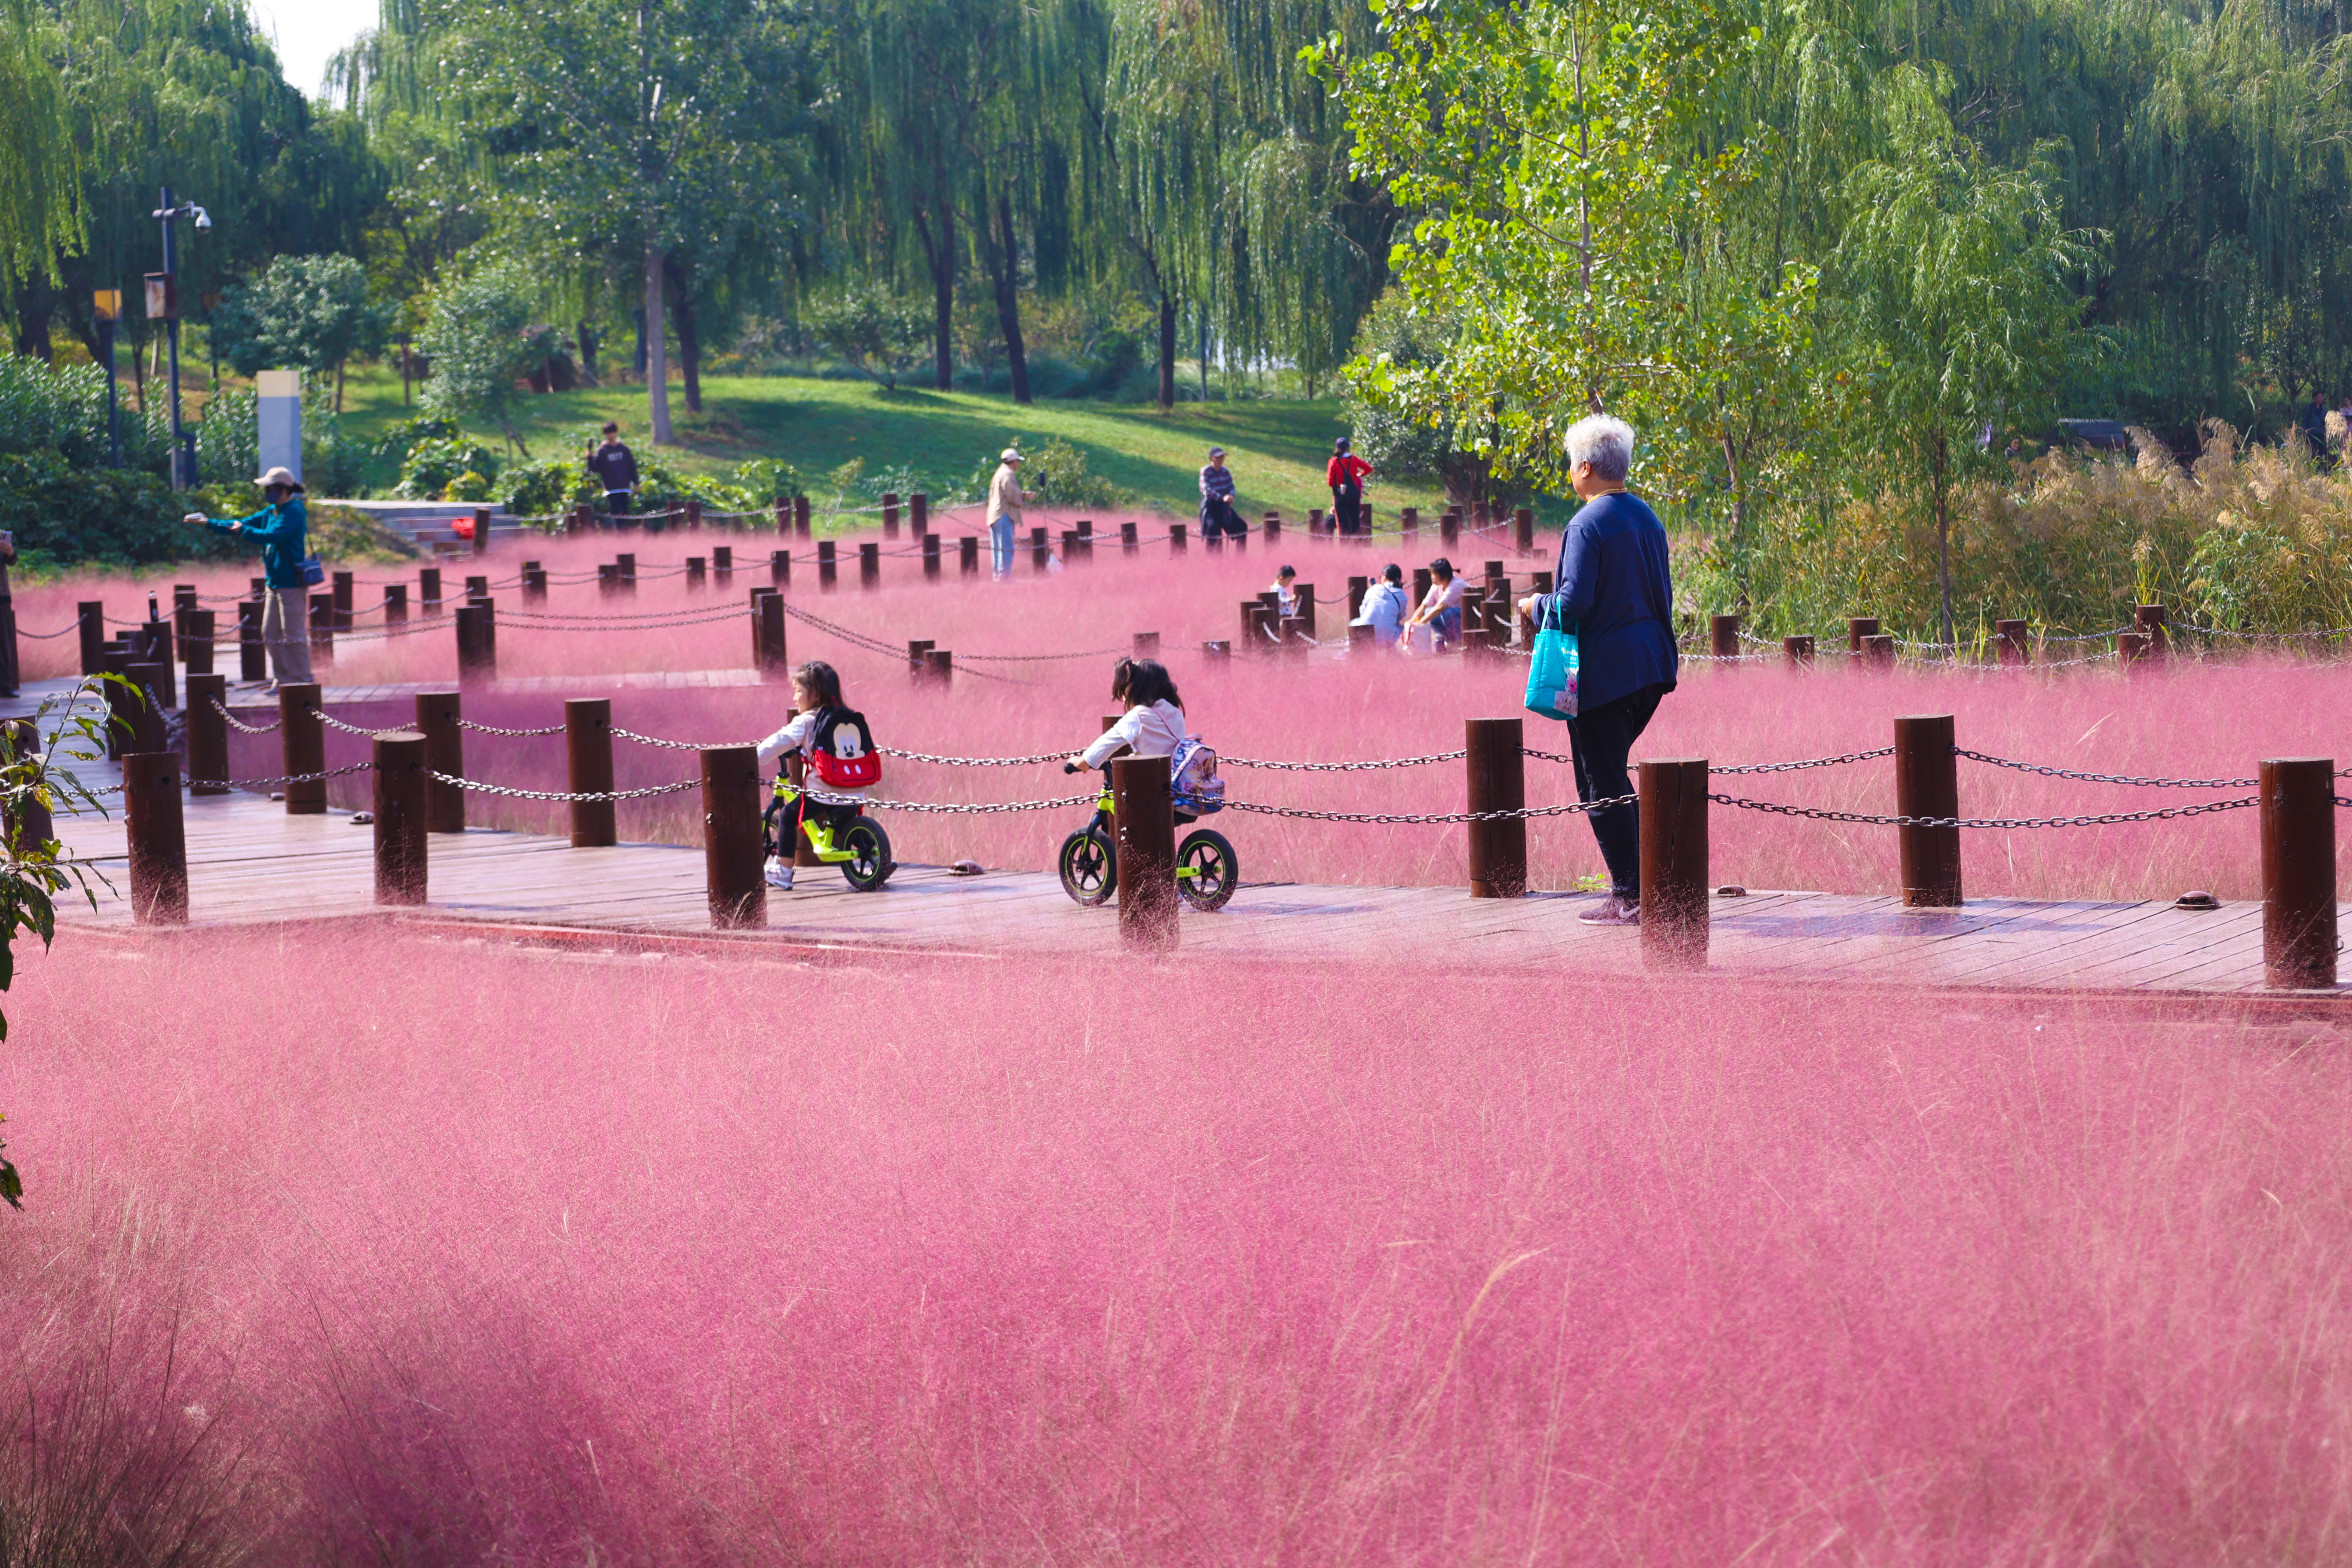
(480, 340)
(1956, 288)
(43, 212)
(307, 312)
(626, 128)
(871, 329)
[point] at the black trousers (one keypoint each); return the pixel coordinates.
(1219, 519)
(1601, 739)
(1348, 509)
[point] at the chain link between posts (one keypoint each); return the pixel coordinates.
(2101, 820)
(1412, 819)
(2101, 778)
(238, 723)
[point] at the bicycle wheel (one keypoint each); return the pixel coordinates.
(1089, 866)
(869, 864)
(1215, 872)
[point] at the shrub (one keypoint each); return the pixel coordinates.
(61, 409)
(1056, 471)
(548, 486)
(481, 337)
(433, 465)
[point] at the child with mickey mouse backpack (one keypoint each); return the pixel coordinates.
(835, 746)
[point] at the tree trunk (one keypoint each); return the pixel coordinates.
(1738, 522)
(138, 363)
(1167, 351)
(689, 344)
(587, 338)
(339, 385)
(1004, 272)
(1943, 539)
(656, 352)
(944, 308)
(33, 326)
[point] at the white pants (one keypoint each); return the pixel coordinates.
(285, 630)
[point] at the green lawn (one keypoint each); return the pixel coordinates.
(1277, 448)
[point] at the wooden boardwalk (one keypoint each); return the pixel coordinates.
(249, 862)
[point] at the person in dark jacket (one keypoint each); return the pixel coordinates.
(283, 528)
(2314, 425)
(1616, 596)
(616, 468)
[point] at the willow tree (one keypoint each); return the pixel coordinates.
(634, 126)
(43, 212)
(1954, 283)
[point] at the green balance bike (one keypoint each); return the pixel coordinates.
(858, 846)
(1206, 870)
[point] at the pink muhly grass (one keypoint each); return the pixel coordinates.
(2210, 719)
(539, 1258)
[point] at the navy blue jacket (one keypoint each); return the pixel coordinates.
(1615, 595)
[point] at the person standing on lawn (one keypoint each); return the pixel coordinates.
(283, 527)
(616, 468)
(1005, 497)
(1616, 596)
(1346, 474)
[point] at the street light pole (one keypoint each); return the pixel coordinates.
(167, 297)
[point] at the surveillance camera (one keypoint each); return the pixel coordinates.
(204, 219)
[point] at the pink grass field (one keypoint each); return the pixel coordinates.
(2200, 719)
(350, 1245)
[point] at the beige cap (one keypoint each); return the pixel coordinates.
(1009, 454)
(279, 476)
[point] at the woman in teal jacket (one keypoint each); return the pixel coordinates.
(284, 530)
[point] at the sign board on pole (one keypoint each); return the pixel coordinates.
(279, 393)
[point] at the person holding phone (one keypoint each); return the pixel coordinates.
(282, 526)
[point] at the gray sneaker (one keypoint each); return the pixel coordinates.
(779, 873)
(1612, 910)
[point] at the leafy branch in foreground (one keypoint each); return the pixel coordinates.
(34, 866)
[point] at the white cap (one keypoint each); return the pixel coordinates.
(1009, 454)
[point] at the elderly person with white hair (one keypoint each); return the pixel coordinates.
(1615, 595)
(1005, 498)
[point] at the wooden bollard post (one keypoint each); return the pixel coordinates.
(1128, 543)
(1147, 644)
(207, 734)
(931, 557)
(1356, 588)
(768, 634)
(1927, 783)
(1523, 530)
(322, 634)
(2298, 807)
(1040, 552)
(146, 706)
(588, 759)
(722, 565)
(889, 514)
(395, 604)
(89, 622)
(1857, 627)
(1798, 651)
(1408, 525)
(731, 838)
(828, 569)
(1878, 651)
(481, 530)
(918, 666)
(1305, 594)
(400, 816)
(252, 655)
(1449, 527)
(158, 644)
(478, 588)
(799, 516)
(784, 517)
(444, 752)
(608, 580)
(428, 591)
(1254, 613)
(919, 513)
(119, 699)
(579, 521)
(2130, 648)
(1147, 852)
(697, 573)
(941, 663)
(1497, 770)
(694, 515)
(534, 582)
(968, 555)
(196, 633)
(2012, 644)
(1217, 650)
(157, 838)
(1360, 635)
(346, 600)
(302, 748)
(1674, 862)
(624, 570)
(2149, 621)
(26, 825)
(869, 565)
(1176, 539)
(1292, 637)
(1315, 522)
(1723, 636)
(476, 664)
(780, 568)
(1273, 526)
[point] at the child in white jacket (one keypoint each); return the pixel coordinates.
(816, 687)
(1153, 724)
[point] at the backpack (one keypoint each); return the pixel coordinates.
(842, 750)
(1193, 780)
